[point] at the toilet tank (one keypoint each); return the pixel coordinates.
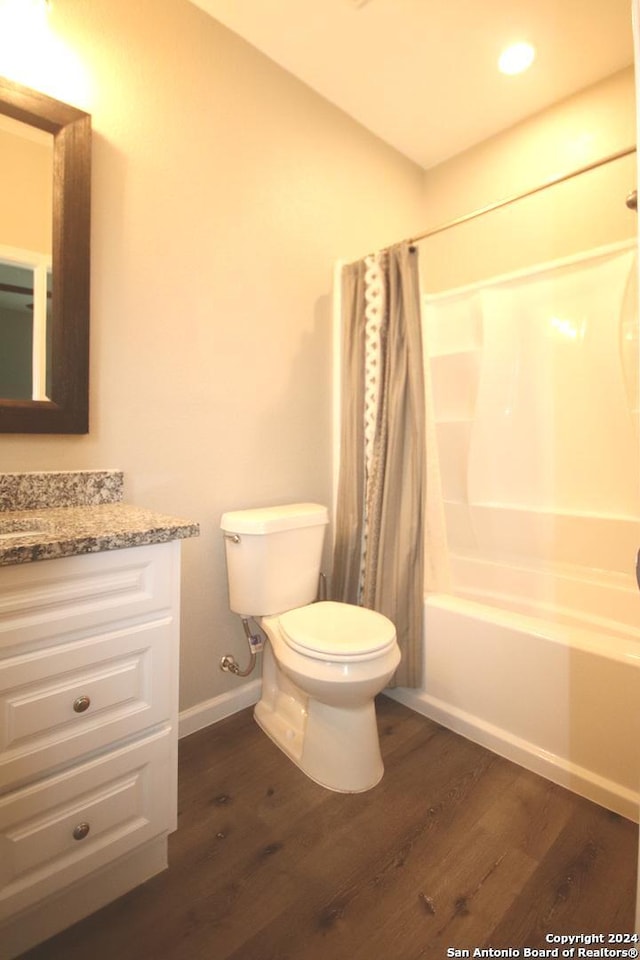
(273, 557)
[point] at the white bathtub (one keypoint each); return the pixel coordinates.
(532, 635)
(552, 690)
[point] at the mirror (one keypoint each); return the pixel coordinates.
(52, 396)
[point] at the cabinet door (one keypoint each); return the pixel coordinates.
(58, 830)
(63, 701)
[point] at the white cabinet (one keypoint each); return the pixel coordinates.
(88, 733)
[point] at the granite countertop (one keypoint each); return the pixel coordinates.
(47, 527)
(65, 531)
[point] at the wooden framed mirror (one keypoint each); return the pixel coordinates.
(62, 404)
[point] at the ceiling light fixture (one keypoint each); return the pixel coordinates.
(516, 58)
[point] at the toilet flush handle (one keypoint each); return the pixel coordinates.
(233, 537)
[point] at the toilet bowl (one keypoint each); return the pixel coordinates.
(323, 666)
(323, 663)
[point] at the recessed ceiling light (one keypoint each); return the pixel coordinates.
(516, 58)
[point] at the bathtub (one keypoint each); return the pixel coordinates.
(557, 696)
(532, 628)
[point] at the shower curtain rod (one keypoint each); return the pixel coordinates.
(521, 196)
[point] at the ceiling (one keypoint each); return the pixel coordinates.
(421, 74)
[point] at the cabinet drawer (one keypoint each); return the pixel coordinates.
(58, 830)
(58, 703)
(40, 602)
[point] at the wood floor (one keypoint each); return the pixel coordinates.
(456, 848)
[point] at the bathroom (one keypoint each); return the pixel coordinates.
(223, 192)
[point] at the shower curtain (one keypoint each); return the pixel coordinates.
(379, 546)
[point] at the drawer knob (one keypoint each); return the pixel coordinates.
(81, 830)
(80, 704)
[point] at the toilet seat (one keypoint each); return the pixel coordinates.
(337, 631)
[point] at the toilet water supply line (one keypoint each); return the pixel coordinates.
(229, 664)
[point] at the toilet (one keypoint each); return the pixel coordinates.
(323, 662)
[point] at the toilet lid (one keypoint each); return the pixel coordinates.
(337, 631)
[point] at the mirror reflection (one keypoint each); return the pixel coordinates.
(25, 326)
(26, 232)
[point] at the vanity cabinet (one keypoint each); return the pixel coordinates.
(88, 733)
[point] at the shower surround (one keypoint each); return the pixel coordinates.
(532, 613)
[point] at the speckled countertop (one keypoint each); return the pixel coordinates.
(44, 516)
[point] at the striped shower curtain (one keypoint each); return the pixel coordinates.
(379, 547)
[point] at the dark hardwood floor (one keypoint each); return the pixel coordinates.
(455, 848)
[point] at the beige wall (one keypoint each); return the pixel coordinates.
(223, 191)
(585, 212)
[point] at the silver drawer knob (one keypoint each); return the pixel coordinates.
(81, 830)
(81, 704)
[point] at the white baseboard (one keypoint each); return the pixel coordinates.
(217, 708)
(560, 770)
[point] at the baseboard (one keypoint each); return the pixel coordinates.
(217, 708)
(558, 769)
